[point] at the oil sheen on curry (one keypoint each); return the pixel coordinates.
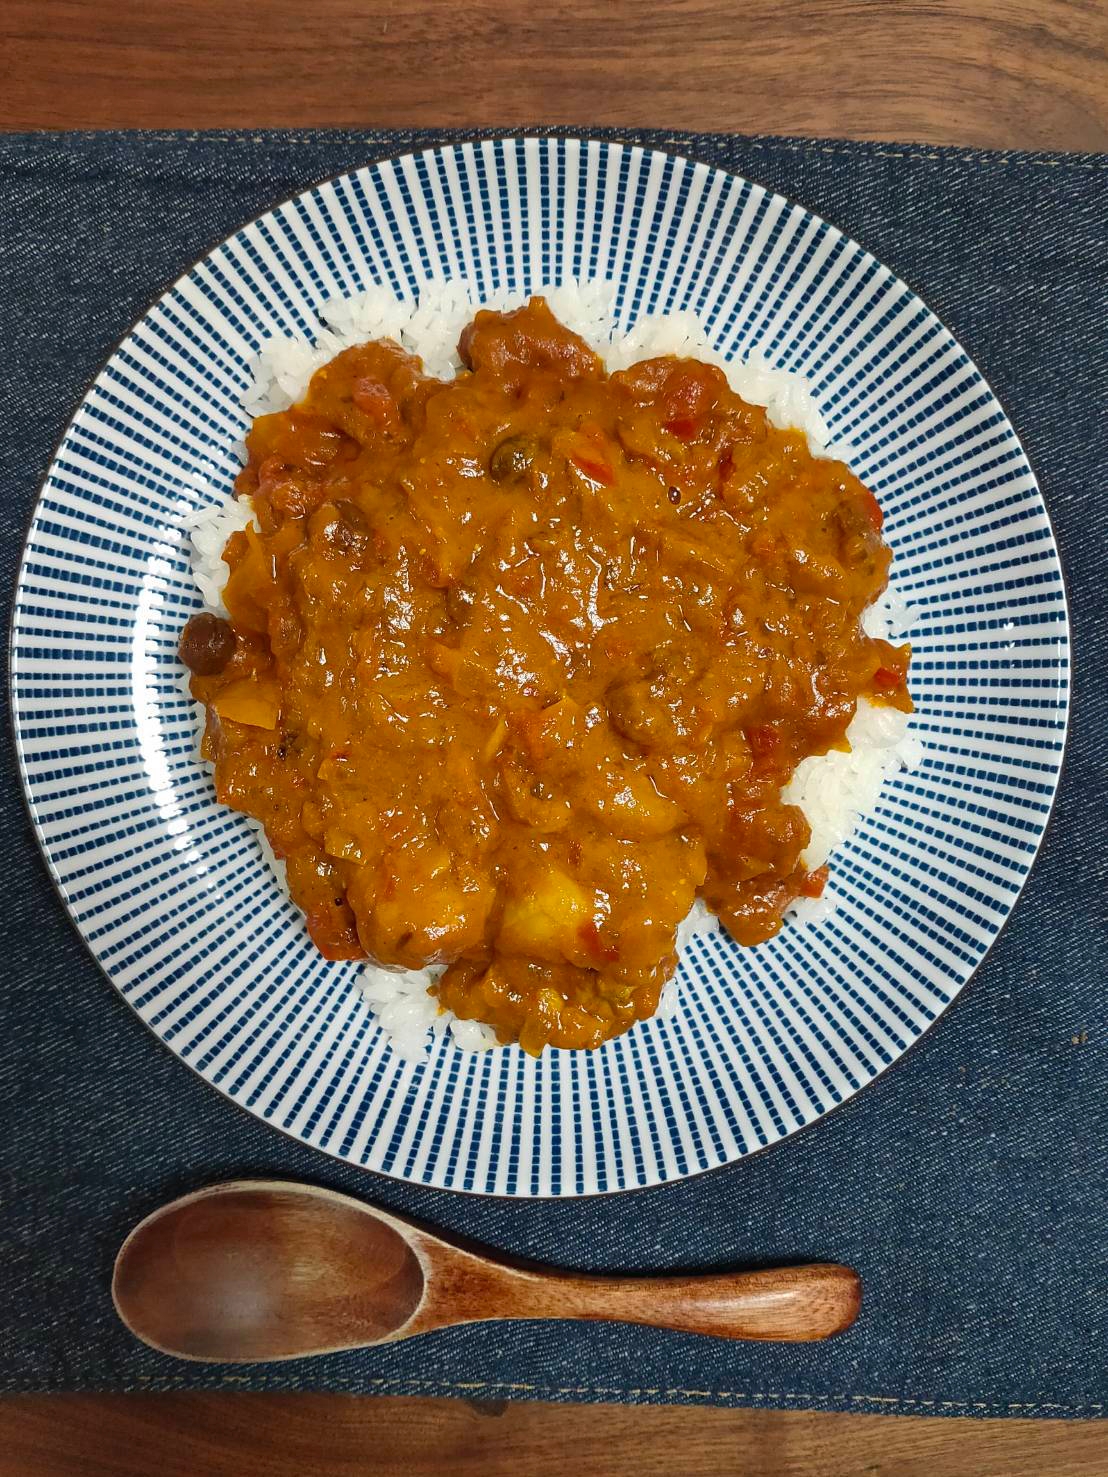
(518, 664)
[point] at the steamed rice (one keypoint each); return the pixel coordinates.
(834, 790)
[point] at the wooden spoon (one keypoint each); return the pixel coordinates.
(256, 1270)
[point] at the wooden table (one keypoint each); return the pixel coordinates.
(994, 73)
(1027, 74)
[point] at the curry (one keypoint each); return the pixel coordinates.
(518, 664)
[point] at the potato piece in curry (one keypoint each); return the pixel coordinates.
(518, 664)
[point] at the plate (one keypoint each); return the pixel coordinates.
(169, 890)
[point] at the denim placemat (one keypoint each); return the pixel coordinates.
(967, 1185)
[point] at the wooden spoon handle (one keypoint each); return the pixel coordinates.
(793, 1304)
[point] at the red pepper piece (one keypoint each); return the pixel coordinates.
(763, 741)
(593, 468)
(815, 882)
(873, 511)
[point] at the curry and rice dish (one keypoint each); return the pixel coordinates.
(518, 664)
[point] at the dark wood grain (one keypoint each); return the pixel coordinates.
(997, 73)
(202, 1435)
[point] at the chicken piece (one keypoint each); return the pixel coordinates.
(528, 339)
(422, 909)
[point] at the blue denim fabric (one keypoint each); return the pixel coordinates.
(967, 1185)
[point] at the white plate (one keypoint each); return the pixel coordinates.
(168, 889)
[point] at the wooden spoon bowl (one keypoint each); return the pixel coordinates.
(261, 1270)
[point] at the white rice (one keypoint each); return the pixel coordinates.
(209, 529)
(834, 790)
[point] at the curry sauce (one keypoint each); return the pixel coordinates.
(518, 664)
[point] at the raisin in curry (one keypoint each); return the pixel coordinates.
(518, 664)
